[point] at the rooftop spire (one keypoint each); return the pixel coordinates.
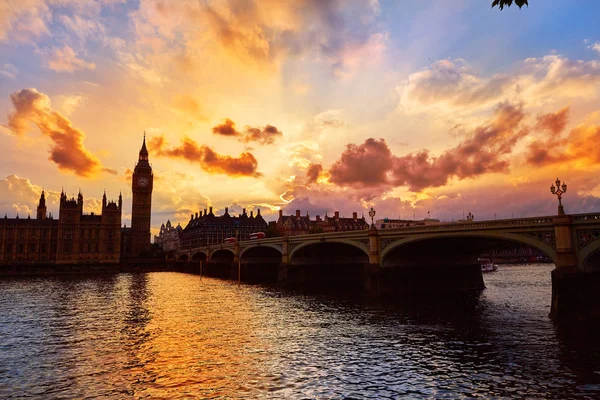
(143, 150)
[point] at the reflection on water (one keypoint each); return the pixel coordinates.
(174, 335)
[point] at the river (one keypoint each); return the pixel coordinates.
(175, 335)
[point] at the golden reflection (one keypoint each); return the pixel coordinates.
(190, 339)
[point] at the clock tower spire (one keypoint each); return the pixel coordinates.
(141, 204)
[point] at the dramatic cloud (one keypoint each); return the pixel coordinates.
(68, 152)
(595, 47)
(452, 86)
(372, 164)
(579, 145)
(343, 33)
(210, 161)
(264, 135)
(65, 60)
(313, 172)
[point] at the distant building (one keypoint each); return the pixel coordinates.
(388, 223)
(208, 229)
(298, 224)
(169, 237)
(73, 238)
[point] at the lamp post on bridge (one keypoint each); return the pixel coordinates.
(372, 215)
(559, 190)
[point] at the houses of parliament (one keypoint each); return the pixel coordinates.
(78, 238)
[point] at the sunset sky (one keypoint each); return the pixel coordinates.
(407, 106)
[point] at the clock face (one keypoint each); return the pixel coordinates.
(142, 182)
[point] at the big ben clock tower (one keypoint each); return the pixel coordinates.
(141, 205)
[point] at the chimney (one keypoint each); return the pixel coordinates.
(337, 215)
(258, 212)
(251, 214)
(355, 216)
(318, 218)
(210, 210)
(280, 213)
(297, 213)
(201, 215)
(243, 211)
(205, 213)
(226, 210)
(196, 215)
(191, 217)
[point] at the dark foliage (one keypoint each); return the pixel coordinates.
(508, 3)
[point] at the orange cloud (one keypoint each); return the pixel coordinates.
(262, 135)
(579, 145)
(68, 151)
(210, 161)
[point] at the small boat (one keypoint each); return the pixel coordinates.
(487, 265)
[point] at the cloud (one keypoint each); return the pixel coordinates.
(21, 20)
(313, 172)
(451, 86)
(372, 164)
(65, 60)
(579, 145)
(595, 46)
(210, 161)
(68, 152)
(263, 135)
(227, 128)
(341, 33)
(68, 103)
(9, 71)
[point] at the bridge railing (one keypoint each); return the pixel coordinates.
(586, 217)
(534, 221)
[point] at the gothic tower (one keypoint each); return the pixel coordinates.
(41, 208)
(141, 205)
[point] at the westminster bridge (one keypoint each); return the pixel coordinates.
(426, 258)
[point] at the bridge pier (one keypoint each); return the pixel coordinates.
(575, 292)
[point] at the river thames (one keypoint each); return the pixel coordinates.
(175, 335)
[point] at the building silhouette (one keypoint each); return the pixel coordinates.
(206, 228)
(73, 238)
(297, 224)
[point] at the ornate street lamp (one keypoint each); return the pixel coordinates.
(372, 215)
(470, 217)
(559, 190)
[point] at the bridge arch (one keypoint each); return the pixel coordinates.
(199, 256)
(589, 257)
(488, 236)
(352, 243)
(220, 255)
(260, 245)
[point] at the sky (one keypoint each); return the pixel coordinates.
(417, 109)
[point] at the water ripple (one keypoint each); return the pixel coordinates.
(170, 335)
